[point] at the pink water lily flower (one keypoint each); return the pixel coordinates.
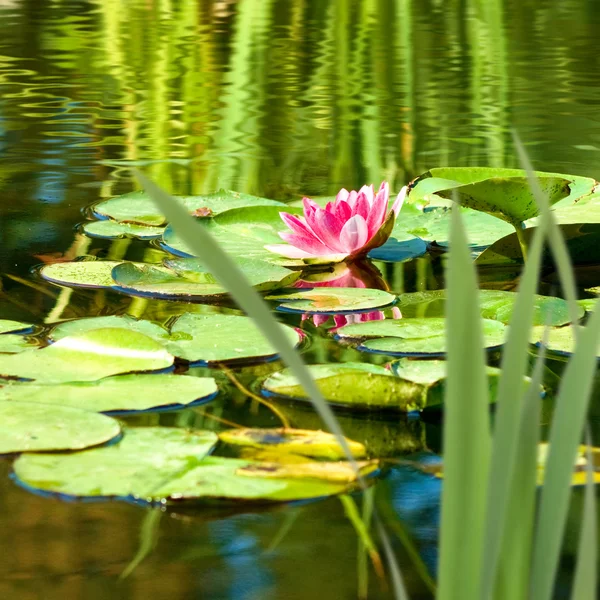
(353, 224)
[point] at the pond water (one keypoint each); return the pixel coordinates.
(278, 99)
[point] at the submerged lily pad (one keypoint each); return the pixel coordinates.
(561, 340)
(87, 357)
(356, 385)
(494, 304)
(138, 207)
(188, 279)
(241, 232)
(136, 392)
(36, 427)
(82, 273)
(143, 460)
(78, 326)
(217, 338)
(9, 326)
(412, 337)
(109, 229)
(156, 464)
(333, 300)
(311, 443)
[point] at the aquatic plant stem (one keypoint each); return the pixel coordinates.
(522, 241)
(240, 386)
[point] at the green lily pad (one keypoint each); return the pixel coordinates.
(141, 463)
(156, 464)
(87, 357)
(495, 304)
(510, 199)
(37, 427)
(78, 326)
(588, 304)
(412, 337)
(217, 338)
(306, 443)
(188, 279)
(334, 300)
(110, 230)
(11, 343)
(242, 232)
(355, 385)
(399, 250)
(561, 340)
(138, 207)
(430, 376)
(138, 392)
(83, 273)
(9, 326)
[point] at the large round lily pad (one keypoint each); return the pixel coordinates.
(332, 300)
(157, 464)
(303, 442)
(78, 326)
(138, 207)
(35, 426)
(10, 326)
(561, 340)
(81, 273)
(188, 279)
(214, 338)
(136, 392)
(87, 357)
(495, 304)
(109, 229)
(354, 385)
(11, 343)
(141, 463)
(412, 337)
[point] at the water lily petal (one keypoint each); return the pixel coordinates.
(288, 251)
(327, 227)
(342, 195)
(296, 224)
(342, 210)
(309, 244)
(399, 201)
(378, 211)
(367, 190)
(362, 206)
(355, 233)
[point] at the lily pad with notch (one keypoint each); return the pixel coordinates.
(37, 427)
(333, 300)
(417, 337)
(121, 393)
(214, 338)
(87, 357)
(110, 230)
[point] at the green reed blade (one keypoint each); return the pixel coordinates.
(249, 300)
(565, 434)
(515, 359)
(466, 429)
(148, 540)
(512, 579)
(398, 586)
(586, 576)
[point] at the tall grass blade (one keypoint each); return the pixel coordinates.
(399, 588)
(565, 435)
(466, 429)
(509, 412)
(586, 576)
(512, 580)
(249, 300)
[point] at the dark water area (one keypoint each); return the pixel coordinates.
(277, 98)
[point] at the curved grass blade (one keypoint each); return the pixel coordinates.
(466, 429)
(148, 540)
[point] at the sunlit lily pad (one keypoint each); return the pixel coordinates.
(217, 338)
(120, 393)
(315, 443)
(87, 357)
(35, 427)
(109, 229)
(242, 232)
(356, 385)
(9, 326)
(84, 273)
(412, 337)
(333, 300)
(561, 340)
(141, 463)
(158, 464)
(11, 343)
(495, 304)
(138, 207)
(78, 326)
(588, 304)
(188, 279)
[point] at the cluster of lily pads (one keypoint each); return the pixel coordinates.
(65, 386)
